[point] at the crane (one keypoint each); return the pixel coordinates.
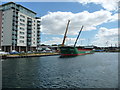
(65, 33)
(78, 36)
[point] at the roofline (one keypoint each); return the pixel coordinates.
(17, 5)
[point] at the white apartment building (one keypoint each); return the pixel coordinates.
(19, 28)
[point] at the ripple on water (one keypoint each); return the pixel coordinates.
(97, 70)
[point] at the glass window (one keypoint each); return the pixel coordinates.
(22, 24)
(22, 16)
(22, 28)
(22, 20)
(21, 32)
(21, 41)
(22, 37)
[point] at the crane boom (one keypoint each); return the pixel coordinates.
(78, 36)
(65, 33)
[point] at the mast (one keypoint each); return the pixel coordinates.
(78, 36)
(65, 33)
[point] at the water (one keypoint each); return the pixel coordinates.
(98, 70)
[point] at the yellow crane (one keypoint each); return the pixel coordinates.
(65, 33)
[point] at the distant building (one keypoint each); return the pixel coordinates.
(19, 28)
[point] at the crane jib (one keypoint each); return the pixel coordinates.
(78, 36)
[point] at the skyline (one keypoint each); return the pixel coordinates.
(100, 22)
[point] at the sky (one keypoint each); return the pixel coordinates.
(99, 18)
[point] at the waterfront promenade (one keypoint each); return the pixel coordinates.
(25, 55)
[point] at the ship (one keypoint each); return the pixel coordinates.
(74, 50)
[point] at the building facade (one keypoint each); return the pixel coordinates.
(19, 28)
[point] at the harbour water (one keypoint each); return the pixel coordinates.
(98, 70)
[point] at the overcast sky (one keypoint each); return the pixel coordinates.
(99, 18)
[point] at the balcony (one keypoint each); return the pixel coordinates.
(29, 31)
(30, 24)
(29, 43)
(29, 40)
(29, 28)
(14, 42)
(38, 41)
(15, 15)
(14, 28)
(38, 24)
(29, 36)
(15, 19)
(14, 32)
(29, 20)
(15, 8)
(14, 37)
(38, 21)
(38, 38)
(38, 27)
(38, 31)
(38, 34)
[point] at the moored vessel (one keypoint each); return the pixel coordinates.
(73, 50)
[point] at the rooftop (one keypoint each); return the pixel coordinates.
(17, 5)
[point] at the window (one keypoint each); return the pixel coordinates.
(22, 16)
(22, 24)
(21, 41)
(21, 32)
(22, 20)
(22, 37)
(22, 28)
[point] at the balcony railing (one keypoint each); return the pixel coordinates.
(29, 24)
(14, 32)
(14, 37)
(29, 31)
(29, 28)
(29, 35)
(29, 43)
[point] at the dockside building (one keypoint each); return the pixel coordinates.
(19, 28)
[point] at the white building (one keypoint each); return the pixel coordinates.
(19, 28)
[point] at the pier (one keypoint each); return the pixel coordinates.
(27, 55)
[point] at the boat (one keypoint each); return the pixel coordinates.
(73, 50)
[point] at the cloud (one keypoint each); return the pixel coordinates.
(115, 17)
(109, 5)
(54, 40)
(106, 37)
(58, 40)
(55, 22)
(38, 1)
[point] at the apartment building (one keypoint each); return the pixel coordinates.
(19, 28)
